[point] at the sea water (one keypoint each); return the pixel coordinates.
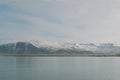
(59, 68)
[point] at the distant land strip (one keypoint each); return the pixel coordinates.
(58, 55)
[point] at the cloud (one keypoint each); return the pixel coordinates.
(66, 20)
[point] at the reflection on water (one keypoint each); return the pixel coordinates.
(59, 68)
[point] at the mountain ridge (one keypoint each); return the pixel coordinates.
(43, 47)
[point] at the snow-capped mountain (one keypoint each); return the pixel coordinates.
(67, 45)
(48, 47)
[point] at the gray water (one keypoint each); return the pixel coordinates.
(59, 68)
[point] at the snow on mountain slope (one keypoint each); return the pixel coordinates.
(45, 44)
(89, 47)
(101, 48)
(60, 45)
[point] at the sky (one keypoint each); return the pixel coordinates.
(83, 21)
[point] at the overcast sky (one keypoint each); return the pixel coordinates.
(83, 21)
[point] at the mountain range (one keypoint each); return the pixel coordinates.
(64, 48)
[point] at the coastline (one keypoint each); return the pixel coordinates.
(58, 55)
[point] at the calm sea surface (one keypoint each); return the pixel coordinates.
(59, 68)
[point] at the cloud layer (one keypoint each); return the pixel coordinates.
(63, 20)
